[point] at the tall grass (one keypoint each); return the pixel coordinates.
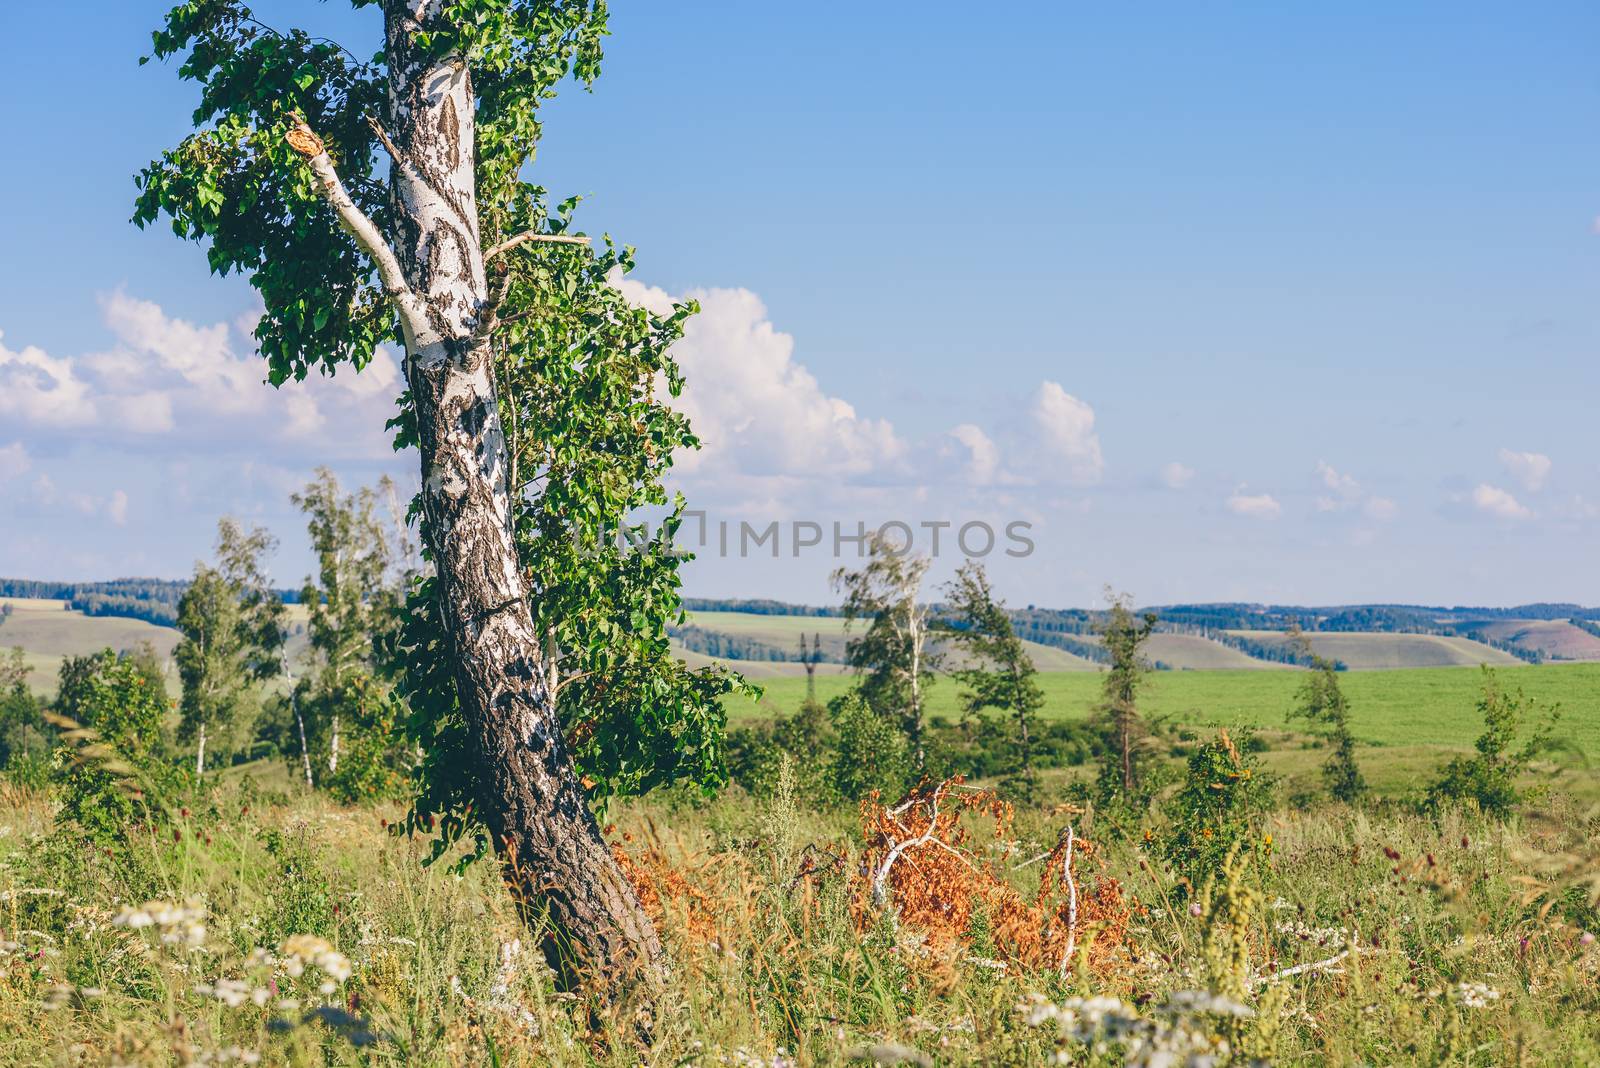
(1339, 936)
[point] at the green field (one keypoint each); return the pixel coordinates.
(1414, 707)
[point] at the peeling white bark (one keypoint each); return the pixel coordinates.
(433, 267)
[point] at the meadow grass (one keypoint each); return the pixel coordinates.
(1377, 935)
(1421, 945)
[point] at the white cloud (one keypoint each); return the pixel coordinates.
(1345, 493)
(1497, 502)
(199, 355)
(1176, 475)
(1342, 485)
(1254, 505)
(165, 376)
(14, 461)
(1579, 508)
(1529, 468)
(304, 414)
(46, 495)
(757, 410)
(983, 455)
(149, 412)
(1380, 508)
(1066, 425)
(38, 388)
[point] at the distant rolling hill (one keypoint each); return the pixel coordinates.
(48, 631)
(1176, 651)
(1367, 652)
(1557, 639)
(1360, 637)
(784, 632)
(1359, 651)
(1191, 652)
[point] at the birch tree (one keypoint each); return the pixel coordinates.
(350, 605)
(232, 626)
(890, 649)
(383, 201)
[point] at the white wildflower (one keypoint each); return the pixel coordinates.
(1331, 937)
(302, 950)
(1475, 995)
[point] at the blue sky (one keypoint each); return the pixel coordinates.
(1242, 301)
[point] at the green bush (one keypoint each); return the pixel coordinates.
(373, 762)
(869, 752)
(1218, 807)
(755, 753)
(1489, 779)
(110, 768)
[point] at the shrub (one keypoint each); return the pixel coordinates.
(869, 751)
(1489, 779)
(1217, 808)
(756, 753)
(373, 759)
(111, 772)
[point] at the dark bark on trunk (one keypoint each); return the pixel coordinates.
(554, 858)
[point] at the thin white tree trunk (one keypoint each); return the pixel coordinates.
(300, 724)
(200, 752)
(305, 753)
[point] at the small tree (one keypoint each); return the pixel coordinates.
(112, 775)
(352, 607)
(23, 737)
(1217, 809)
(1321, 702)
(1123, 635)
(232, 626)
(890, 654)
(869, 753)
(1489, 779)
(999, 674)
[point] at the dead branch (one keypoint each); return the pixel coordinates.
(1072, 905)
(528, 236)
(303, 140)
(880, 881)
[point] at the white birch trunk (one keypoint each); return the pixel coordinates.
(432, 265)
